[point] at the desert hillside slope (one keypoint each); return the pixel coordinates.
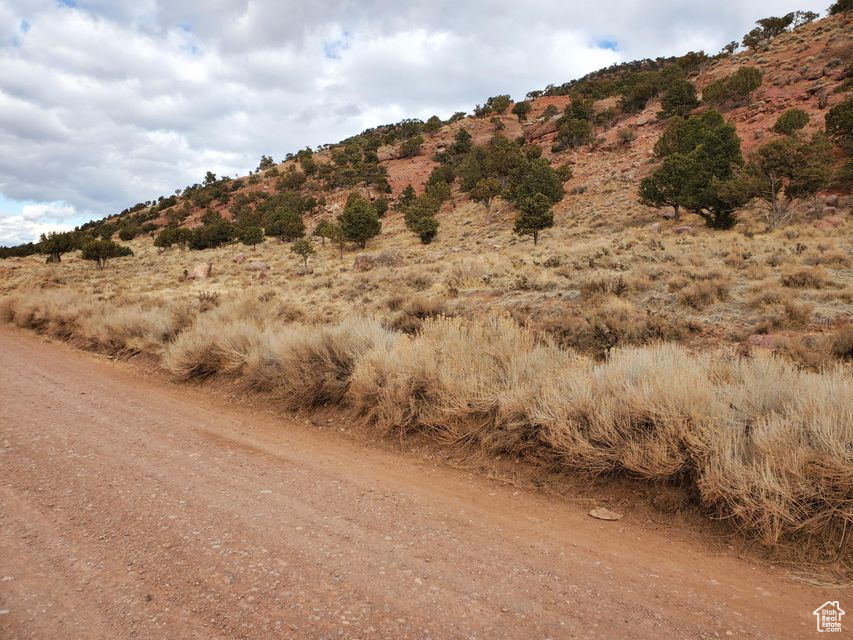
(623, 341)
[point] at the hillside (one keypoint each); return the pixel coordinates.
(610, 272)
(616, 303)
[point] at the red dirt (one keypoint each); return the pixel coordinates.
(135, 508)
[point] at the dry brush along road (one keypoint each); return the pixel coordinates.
(131, 507)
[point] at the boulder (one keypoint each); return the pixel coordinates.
(542, 129)
(655, 228)
(387, 152)
(201, 271)
(240, 258)
(831, 200)
(258, 265)
(362, 262)
(830, 222)
(388, 259)
(812, 73)
(686, 228)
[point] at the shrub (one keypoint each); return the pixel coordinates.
(840, 6)
(521, 109)
(812, 278)
(701, 293)
(128, 232)
(411, 147)
(734, 89)
(841, 342)
(626, 135)
(791, 121)
(679, 99)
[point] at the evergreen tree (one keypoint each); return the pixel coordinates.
(534, 215)
(304, 249)
(781, 171)
(251, 236)
(285, 223)
(535, 177)
(55, 243)
(359, 221)
(791, 121)
(485, 190)
(407, 197)
(521, 109)
(665, 187)
(420, 218)
(99, 251)
(707, 150)
(679, 99)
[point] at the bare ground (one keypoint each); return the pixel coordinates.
(134, 508)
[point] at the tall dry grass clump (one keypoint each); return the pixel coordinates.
(108, 326)
(758, 440)
(459, 381)
(302, 365)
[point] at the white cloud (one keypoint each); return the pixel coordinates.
(111, 103)
(16, 230)
(47, 212)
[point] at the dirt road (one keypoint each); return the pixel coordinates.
(134, 508)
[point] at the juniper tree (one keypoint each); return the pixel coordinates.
(359, 221)
(534, 215)
(303, 248)
(251, 236)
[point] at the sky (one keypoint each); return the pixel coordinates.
(104, 103)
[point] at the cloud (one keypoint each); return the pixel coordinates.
(24, 222)
(104, 104)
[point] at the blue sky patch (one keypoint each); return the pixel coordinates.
(334, 48)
